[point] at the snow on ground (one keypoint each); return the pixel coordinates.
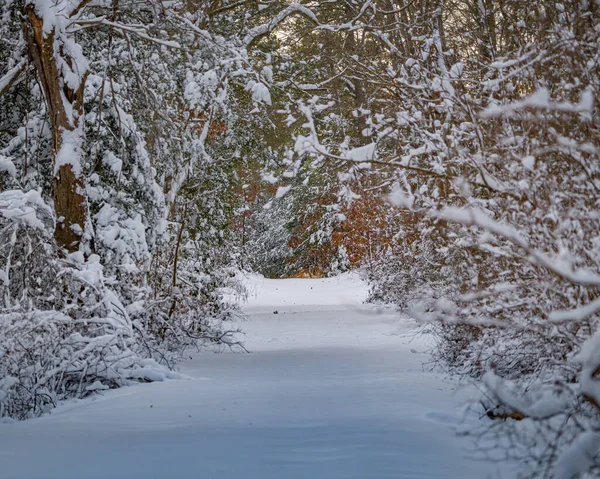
(332, 388)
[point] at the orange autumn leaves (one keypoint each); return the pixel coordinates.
(363, 230)
(367, 231)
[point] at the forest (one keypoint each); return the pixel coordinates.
(448, 151)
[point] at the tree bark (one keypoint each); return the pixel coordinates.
(355, 47)
(65, 110)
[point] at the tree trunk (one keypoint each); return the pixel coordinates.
(65, 110)
(354, 47)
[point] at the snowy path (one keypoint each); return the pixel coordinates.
(331, 390)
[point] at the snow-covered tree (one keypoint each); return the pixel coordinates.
(117, 162)
(483, 124)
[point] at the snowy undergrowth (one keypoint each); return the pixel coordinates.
(64, 330)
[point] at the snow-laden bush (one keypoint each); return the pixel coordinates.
(63, 331)
(492, 144)
(191, 311)
(148, 107)
(517, 196)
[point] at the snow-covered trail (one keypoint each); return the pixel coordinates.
(332, 389)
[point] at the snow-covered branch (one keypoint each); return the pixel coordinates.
(293, 9)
